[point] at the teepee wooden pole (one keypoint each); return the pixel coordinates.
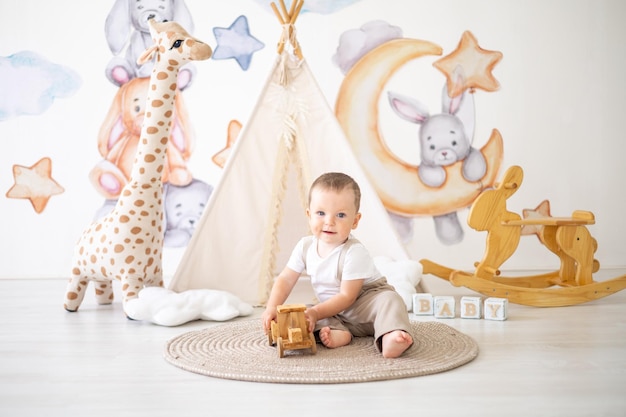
(277, 13)
(288, 18)
(292, 8)
(295, 15)
(281, 43)
(284, 9)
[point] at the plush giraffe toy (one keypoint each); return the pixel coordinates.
(127, 244)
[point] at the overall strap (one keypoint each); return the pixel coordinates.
(342, 256)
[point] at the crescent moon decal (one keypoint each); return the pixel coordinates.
(395, 181)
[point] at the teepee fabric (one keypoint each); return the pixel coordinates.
(256, 213)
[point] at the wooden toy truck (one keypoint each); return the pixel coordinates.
(290, 330)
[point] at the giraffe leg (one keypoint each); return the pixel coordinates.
(131, 285)
(75, 292)
(158, 280)
(104, 292)
(155, 276)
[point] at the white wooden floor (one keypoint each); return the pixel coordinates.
(567, 361)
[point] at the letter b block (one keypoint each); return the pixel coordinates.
(423, 304)
(470, 307)
(496, 308)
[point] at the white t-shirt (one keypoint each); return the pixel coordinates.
(358, 264)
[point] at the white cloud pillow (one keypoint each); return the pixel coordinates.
(403, 275)
(164, 307)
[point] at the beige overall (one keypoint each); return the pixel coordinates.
(378, 309)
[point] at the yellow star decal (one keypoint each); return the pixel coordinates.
(476, 64)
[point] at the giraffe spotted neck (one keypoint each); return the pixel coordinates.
(155, 132)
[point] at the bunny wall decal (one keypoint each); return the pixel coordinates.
(445, 139)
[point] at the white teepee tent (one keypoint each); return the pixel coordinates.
(256, 214)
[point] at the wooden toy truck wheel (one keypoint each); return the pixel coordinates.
(281, 349)
(273, 332)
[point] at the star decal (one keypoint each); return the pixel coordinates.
(35, 183)
(541, 211)
(220, 158)
(236, 42)
(476, 63)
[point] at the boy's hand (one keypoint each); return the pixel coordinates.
(266, 318)
(311, 317)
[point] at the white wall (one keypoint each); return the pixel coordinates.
(560, 110)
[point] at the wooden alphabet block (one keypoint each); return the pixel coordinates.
(444, 306)
(423, 304)
(495, 308)
(471, 307)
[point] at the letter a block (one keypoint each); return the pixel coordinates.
(444, 306)
(471, 307)
(495, 308)
(423, 304)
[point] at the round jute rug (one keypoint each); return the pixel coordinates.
(239, 350)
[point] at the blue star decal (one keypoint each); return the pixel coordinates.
(236, 42)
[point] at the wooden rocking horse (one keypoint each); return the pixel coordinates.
(567, 237)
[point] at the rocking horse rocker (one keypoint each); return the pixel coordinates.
(567, 237)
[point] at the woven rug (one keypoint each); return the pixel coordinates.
(239, 350)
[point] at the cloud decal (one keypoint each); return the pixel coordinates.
(355, 43)
(30, 84)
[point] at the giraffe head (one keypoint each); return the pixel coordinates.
(172, 44)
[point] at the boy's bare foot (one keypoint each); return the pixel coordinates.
(395, 343)
(334, 338)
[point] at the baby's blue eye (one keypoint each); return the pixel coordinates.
(341, 215)
(320, 213)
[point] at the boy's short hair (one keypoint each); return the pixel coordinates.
(337, 181)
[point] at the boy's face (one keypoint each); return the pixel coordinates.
(332, 215)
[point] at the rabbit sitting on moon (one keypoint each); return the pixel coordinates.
(445, 139)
